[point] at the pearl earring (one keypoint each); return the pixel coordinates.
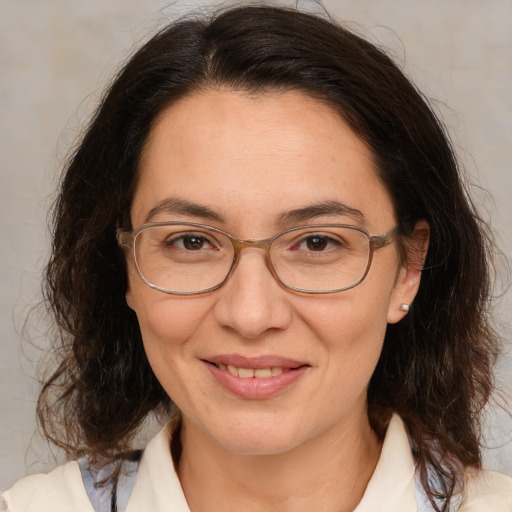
(404, 308)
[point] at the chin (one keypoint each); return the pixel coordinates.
(258, 437)
(258, 445)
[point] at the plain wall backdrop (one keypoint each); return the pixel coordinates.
(55, 56)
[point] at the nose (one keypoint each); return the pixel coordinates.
(252, 302)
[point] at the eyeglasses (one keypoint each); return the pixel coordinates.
(185, 258)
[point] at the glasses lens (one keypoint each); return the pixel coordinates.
(182, 258)
(321, 259)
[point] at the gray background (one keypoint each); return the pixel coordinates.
(55, 55)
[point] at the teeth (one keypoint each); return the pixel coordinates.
(263, 373)
(245, 373)
(249, 373)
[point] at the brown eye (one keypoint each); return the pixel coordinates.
(316, 243)
(187, 242)
(193, 242)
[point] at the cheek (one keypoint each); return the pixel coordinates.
(168, 325)
(166, 322)
(348, 338)
(352, 329)
(355, 317)
(162, 318)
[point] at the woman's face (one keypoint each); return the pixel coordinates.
(247, 161)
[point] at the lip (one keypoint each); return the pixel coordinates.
(265, 361)
(256, 388)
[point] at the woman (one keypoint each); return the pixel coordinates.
(264, 234)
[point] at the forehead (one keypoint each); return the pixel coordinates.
(251, 157)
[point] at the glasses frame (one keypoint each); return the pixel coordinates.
(128, 238)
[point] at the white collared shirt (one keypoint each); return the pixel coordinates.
(393, 486)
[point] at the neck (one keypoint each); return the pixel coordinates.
(329, 473)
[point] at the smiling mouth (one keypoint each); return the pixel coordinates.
(250, 373)
(255, 378)
(254, 373)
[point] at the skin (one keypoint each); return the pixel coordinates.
(249, 159)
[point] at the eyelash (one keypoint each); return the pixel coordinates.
(173, 240)
(328, 239)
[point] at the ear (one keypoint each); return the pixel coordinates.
(129, 298)
(409, 276)
(128, 295)
(129, 292)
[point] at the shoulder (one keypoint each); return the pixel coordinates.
(61, 490)
(74, 486)
(486, 491)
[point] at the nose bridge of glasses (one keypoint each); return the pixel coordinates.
(254, 244)
(264, 245)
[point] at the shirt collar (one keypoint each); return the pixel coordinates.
(390, 489)
(392, 485)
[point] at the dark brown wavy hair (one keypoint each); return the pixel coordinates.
(435, 368)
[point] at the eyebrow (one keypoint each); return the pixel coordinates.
(322, 209)
(172, 205)
(175, 206)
